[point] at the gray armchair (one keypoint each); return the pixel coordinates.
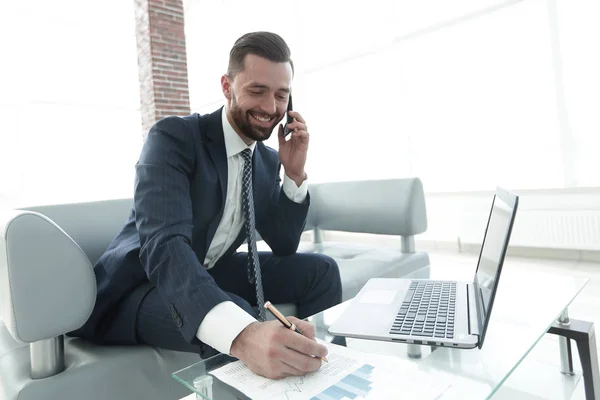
(47, 287)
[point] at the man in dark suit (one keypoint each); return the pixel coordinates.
(173, 278)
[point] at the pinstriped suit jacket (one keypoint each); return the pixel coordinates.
(180, 188)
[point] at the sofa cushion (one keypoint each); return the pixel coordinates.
(359, 263)
(98, 372)
(7, 342)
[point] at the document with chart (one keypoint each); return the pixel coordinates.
(349, 374)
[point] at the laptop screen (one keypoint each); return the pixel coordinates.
(493, 250)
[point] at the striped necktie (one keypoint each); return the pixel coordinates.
(254, 275)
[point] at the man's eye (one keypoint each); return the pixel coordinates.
(254, 92)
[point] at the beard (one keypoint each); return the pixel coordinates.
(244, 122)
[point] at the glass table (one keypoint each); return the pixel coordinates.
(526, 308)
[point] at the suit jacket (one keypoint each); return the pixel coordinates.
(179, 198)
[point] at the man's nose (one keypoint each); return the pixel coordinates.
(269, 105)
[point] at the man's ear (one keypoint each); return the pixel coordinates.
(226, 86)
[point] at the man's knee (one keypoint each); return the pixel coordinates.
(324, 263)
(331, 273)
(333, 268)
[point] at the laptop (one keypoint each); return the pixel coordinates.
(432, 312)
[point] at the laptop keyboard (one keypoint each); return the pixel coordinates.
(427, 310)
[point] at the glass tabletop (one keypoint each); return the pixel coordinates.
(526, 306)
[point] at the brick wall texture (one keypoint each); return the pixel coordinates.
(162, 63)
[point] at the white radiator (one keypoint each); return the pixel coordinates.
(558, 221)
(578, 230)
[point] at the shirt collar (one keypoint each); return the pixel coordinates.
(233, 142)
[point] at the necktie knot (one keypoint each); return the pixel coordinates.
(247, 154)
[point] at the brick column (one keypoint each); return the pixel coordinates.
(162, 61)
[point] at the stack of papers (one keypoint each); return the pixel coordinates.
(349, 374)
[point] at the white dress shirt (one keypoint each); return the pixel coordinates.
(226, 320)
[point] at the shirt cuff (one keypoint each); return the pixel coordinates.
(294, 192)
(222, 325)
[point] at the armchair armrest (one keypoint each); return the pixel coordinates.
(47, 284)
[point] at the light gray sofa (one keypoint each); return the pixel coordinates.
(47, 286)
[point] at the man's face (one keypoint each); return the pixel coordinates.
(258, 96)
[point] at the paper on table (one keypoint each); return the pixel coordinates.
(349, 374)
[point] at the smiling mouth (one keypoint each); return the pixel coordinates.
(264, 120)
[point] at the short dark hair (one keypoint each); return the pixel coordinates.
(263, 44)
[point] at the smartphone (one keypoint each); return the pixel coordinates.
(286, 131)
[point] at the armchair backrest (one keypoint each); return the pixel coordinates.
(388, 207)
(92, 225)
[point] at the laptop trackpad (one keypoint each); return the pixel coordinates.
(378, 296)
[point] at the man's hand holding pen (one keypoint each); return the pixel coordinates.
(274, 351)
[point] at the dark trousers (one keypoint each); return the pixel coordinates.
(311, 281)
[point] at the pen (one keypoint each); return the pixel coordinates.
(285, 321)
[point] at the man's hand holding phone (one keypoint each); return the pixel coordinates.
(293, 151)
(289, 118)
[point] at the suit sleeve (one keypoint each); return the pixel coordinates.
(283, 223)
(164, 221)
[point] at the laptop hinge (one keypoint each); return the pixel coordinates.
(473, 318)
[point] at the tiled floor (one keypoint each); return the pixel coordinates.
(538, 376)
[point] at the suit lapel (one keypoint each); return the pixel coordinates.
(218, 155)
(261, 187)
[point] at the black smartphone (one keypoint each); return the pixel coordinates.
(286, 131)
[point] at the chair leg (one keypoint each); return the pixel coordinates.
(47, 357)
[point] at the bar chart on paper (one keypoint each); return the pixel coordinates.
(355, 385)
(349, 375)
